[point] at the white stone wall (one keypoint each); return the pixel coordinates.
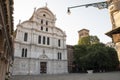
(24, 66)
(57, 67)
(36, 52)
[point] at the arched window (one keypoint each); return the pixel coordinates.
(59, 56)
(41, 21)
(46, 29)
(59, 42)
(39, 39)
(41, 27)
(22, 52)
(25, 36)
(46, 22)
(43, 39)
(48, 41)
(25, 53)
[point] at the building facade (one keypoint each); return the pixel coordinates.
(40, 46)
(114, 10)
(70, 55)
(6, 38)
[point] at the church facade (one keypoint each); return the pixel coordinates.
(40, 46)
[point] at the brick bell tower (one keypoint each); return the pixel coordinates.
(114, 10)
(83, 33)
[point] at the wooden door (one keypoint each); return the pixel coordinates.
(43, 67)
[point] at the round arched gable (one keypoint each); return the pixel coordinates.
(45, 12)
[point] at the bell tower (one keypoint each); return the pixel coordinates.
(83, 33)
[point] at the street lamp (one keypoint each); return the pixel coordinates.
(99, 5)
(68, 11)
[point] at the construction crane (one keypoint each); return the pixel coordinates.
(99, 5)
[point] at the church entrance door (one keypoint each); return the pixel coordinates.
(43, 67)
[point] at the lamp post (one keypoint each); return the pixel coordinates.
(99, 5)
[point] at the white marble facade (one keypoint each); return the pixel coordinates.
(40, 46)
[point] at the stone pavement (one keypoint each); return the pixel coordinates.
(73, 76)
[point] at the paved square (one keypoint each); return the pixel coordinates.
(73, 76)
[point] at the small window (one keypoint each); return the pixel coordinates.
(25, 36)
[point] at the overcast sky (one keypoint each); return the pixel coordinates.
(93, 19)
